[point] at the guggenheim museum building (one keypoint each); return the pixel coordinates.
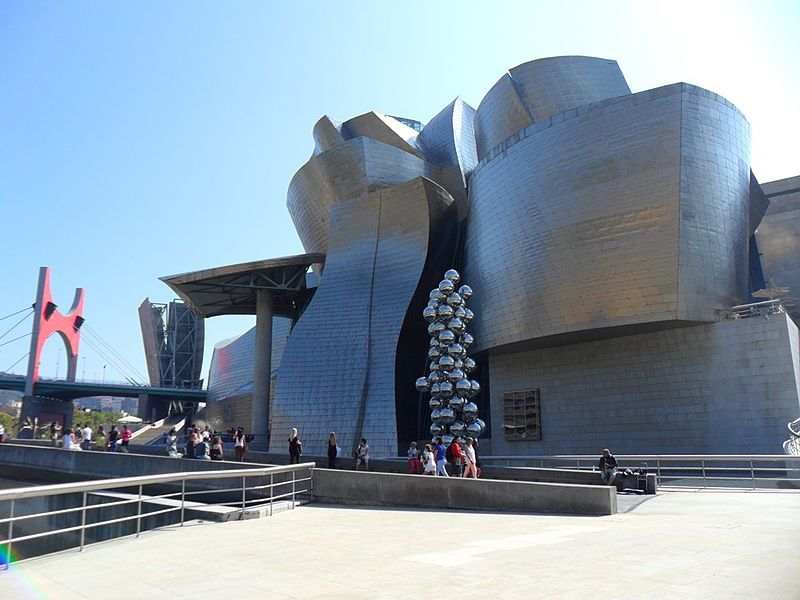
(629, 276)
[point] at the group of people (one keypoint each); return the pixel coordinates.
(203, 444)
(333, 451)
(84, 438)
(463, 456)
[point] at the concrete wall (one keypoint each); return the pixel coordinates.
(724, 388)
(389, 489)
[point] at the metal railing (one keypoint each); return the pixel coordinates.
(756, 309)
(736, 471)
(285, 483)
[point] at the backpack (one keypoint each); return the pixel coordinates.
(448, 454)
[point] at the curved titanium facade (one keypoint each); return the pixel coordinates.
(779, 239)
(539, 89)
(338, 367)
(625, 212)
(347, 171)
(231, 370)
(448, 141)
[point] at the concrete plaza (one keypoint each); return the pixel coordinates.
(676, 545)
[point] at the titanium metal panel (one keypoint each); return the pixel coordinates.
(383, 129)
(231, 370)
(549, 86)
(714, 205)
(579, 221)
(327, 135)
(500, 114)
(448, 141)
(720, 388)
(338, 367)
(347, 171)
(778, 238)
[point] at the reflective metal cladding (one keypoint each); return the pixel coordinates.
(578, 211)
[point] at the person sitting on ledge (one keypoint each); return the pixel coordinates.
(608, 467)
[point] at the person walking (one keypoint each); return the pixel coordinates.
(54, 429)
(362, 455)
(456, 456)
(87, 437)
(295, 447)
(428, 461)
(413, 459)
(125, 435)
(68, 440)
(216, 448)
(470, 460)
(441, 458)
(239, 444)
(113, 436)
(333, 450)
(171, 442)
(100, 440)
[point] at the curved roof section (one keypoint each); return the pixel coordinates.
(539, 89)
(345, 172)
(232, 289)
(384, 129)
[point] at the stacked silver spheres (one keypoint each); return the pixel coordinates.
(453, 413)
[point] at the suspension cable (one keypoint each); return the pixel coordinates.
(113, 351)
(16, 313)
(15, 339)
(121, 370)
(16, 324)
(8, 370)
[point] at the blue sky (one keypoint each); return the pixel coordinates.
(142, 139)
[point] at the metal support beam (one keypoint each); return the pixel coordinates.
(263, 366)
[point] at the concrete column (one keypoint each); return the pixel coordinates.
(263, 367)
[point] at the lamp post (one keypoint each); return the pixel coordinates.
(104, 373)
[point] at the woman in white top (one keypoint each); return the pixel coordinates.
(471, 469)
(428, 461)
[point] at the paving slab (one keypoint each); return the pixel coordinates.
(674, 545)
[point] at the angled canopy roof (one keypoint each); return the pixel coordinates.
(231, 290)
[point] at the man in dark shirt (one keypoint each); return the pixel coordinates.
(608, 467)
(113, 435)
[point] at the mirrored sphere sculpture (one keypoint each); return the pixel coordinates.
(446, 287)
(456, 402)
(470, 411)
(453, 413)
(453, 276)
(474, 430)
(446, 415)
(457, 428)
(445, 312)
(454, 300)
(446, 389)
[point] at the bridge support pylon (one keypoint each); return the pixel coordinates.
(47, 321)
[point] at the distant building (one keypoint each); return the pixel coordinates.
(173, 339)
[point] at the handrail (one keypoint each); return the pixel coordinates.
(106, 484)
(139, 482)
